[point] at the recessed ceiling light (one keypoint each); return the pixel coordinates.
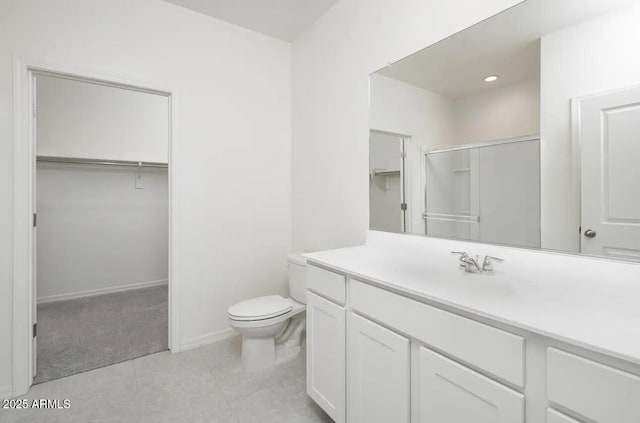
(491, 78)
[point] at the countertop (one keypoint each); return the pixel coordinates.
(591, 303)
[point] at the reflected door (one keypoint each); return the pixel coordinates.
(609, 136)
(386, 188)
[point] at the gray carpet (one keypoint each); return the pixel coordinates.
(75, 336)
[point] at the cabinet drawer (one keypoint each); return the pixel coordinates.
(591, 389)
(328, 284)
(451, 392)
(554, 416)
(492, 350)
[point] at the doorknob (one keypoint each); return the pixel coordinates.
(590, 233)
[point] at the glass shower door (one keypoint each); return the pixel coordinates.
(452, 194)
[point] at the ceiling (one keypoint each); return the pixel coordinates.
(283, 19)
(507, 45)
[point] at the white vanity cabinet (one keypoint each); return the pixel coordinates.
(377, 354)
(379, 373)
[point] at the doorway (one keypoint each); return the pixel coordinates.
(101, 227)
(82, 173)
(386, 182)
(395, 189)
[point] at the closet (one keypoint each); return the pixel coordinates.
(101, 220)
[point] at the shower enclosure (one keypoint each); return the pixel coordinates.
(488, 193)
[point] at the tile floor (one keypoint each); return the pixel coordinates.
(206, 384)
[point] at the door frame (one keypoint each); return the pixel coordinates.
(24, 155)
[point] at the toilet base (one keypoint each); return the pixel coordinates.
(258, 352)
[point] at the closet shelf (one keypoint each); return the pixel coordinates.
(73, 160)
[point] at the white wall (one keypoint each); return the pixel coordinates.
(503, 112)
(435, 121)
(97, 232)
(79, 119)
(232, 162)
(588, 58)
(405, 109)
(331, 66)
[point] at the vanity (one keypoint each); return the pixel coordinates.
(396, 332)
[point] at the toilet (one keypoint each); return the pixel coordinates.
(272, 326)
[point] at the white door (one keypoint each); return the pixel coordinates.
(609, 137)
(452, 393)
(326, 352)
(34, 270)
(379, 374)
(34, 296)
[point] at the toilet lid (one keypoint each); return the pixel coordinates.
(260, 308)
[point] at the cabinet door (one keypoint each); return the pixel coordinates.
(326, 350)
(452, 393)
(379, 374)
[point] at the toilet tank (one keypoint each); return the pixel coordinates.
(296, 265)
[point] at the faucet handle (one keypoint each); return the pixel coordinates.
(487, 264)
(462, 253)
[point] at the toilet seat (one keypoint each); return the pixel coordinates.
(260, 308)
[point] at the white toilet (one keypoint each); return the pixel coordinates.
(272, 326)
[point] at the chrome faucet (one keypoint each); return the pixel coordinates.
(487, 264)
(470, 264)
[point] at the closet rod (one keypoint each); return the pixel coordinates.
(51, 159)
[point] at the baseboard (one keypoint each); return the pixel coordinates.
(6, 392)
(100, 291)
(210, 338)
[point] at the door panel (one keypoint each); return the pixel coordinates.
(379, 374)
(326, 355)
(609, 131)
(452, 393)
(452, 194)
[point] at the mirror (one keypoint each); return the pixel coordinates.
(521, 130)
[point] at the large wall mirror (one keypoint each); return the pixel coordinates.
(521, 130)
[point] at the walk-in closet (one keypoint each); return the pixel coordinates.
(101, 223)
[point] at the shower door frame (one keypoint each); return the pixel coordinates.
(24, 158)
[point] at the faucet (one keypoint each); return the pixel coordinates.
(470, 264)
(487, 264)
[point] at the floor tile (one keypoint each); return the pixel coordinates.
(206, 384)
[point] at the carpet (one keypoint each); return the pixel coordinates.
(83, 334)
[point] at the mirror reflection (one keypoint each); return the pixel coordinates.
(522, 130)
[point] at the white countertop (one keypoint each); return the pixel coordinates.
(591, 303)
